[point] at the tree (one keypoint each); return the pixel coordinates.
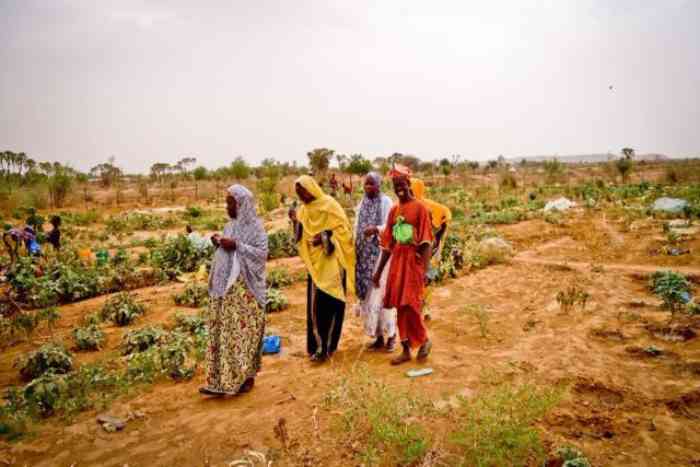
(320, 159)
(107, 173)
(240, 169)
(59, 184)
(184, 164)
(159, 170)
(199, 174)
(625, 163)
(359, 165)
(445, 167)
(342, 160)
(84, 181)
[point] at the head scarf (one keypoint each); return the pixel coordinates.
(399, 170)
(251, 250)
(367, 249)
(321, 214)
(439, 213)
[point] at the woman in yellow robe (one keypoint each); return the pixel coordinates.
(440, 215)
(324, 235)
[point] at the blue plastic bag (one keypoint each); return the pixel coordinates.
(33, 247)
(271, 345)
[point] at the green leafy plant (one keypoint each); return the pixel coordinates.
(51, 316)
(276, 300)
(90, 337)
(672, 287)
(177, 255)
(278, 278)
(281, 244)
(140, 340)
(49, 357)
(572, 457)
(194, 295)
(122, 309)
(44, 393)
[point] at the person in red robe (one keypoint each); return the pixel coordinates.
(409, 259)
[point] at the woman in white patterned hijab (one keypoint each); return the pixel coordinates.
(237, 297)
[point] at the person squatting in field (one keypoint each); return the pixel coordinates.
(237, 291)
(407, 240)
(370, 222)
(324, 235)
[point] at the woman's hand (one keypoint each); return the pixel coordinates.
(316, 240)
(292, 213)
(215, 240)
(227, 244)
(371, 230)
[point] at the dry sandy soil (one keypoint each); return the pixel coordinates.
(622, 407)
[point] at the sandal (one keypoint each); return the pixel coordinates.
(377, 344)
(424, 350)
(319, 357)
(247, 386)
(210, 392)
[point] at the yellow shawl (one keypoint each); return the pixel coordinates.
(439, 213)
(324, 213)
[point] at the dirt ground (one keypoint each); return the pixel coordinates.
(623, 407)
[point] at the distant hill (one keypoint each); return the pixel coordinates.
(589, 158)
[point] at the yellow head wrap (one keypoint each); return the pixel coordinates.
(439, 213)
(324, 213)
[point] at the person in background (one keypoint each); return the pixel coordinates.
(324, 235)
(440, 216)
(54, 237)
(237, 299)
(407, 240)
(30, 242)
(372, 214)
(333, 183)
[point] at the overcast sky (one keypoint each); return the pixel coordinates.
(147, 81)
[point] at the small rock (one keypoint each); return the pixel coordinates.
(559, 204)
(673, 205)
(110, 423)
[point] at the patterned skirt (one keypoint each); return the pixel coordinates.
(236, 330)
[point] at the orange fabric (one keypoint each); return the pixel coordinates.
(406, 281)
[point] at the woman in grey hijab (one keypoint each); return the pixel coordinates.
(237, 296)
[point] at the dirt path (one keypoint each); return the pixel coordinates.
(619, 411)
(530, 257)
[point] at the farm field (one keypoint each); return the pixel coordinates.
(570, 338)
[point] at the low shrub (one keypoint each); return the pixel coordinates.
(281, 244)
(672, 287)
(195, 295)
(122, 309)
(278, 278)
(90, 337)
(496, 428)
(177, 255)
(140, 340)
(276, 301)
(49, 357)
